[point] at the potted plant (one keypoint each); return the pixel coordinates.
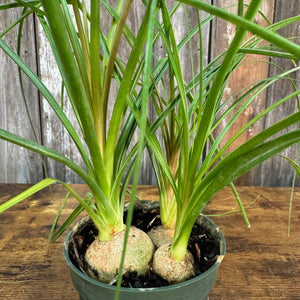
(187, 179)
(188, 173)
(186, 183)
(88, 62)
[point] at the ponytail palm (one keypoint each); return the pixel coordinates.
(88, 63)
(193, 164)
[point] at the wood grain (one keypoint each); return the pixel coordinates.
(261, 262)
(55, 136)
(279, 90)
(253, 68)
(19, 165)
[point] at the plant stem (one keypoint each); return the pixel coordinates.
(184, 226)
(113, 53)
(99, 117)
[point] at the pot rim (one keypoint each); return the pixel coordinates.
(133, 290)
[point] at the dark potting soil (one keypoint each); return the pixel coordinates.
(201, 244)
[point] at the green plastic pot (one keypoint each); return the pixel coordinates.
(196, 288)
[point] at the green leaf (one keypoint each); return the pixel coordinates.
(143, 126)
(27, 193)
(293, 163)
(15, 139)
(52, 102)
(266, 34)
(75, 84)
(54, 235)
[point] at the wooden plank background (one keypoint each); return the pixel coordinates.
(20, 166)
(261, 262)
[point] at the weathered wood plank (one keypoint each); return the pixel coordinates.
(55, 136)
(17, 164)
(260, 262)
(257, 265)
(253, 69)
(277, 165)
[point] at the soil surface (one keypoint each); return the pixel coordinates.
(201, 244)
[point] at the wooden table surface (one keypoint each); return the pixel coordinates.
(261, 262)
